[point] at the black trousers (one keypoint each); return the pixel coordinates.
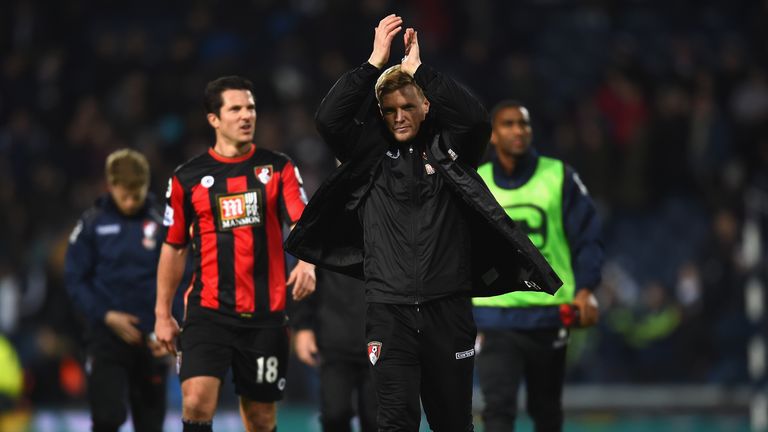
(508, 357)
(346, 388)
(425, 350)
(120, 374)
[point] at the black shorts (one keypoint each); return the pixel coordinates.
(258, 357)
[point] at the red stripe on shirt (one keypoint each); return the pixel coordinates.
(275, 253)
(292, 195)
(177, 231)
(243, 245)
(209, 261)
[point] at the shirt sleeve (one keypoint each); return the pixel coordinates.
(177, 214)
(79, 268)
(583, 230)
(293, 198)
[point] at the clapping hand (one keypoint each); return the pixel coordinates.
(412, 59)
(388, 27)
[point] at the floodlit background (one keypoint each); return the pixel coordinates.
(662, 107)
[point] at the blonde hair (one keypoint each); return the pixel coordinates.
(394, 79)
(128, 168)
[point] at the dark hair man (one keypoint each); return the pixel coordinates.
(523, 335)
(231, 202)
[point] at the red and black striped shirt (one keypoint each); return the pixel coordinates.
(234, 210)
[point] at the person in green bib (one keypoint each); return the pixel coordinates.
(522, 335)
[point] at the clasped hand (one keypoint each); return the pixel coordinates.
(384, 34)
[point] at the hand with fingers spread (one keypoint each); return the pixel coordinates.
(412, 59)
(303, 280)
(385, 32)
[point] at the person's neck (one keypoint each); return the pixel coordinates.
(231, 150)
(509, 163)
(418, 142)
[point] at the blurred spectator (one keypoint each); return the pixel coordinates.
(13, 417)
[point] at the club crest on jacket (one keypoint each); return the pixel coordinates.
(374, 351)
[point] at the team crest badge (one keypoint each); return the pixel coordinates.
(150, 232)
(374, 351)
(263, 173)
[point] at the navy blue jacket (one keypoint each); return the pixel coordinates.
(111, 262)
(583, 231)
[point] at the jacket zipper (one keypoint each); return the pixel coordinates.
(414, 219)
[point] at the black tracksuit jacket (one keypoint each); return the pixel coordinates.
(498, 256)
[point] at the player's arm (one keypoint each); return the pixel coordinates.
(170, 270)
(303, 279)
(582, 228)
(292, 202)
(173, 259)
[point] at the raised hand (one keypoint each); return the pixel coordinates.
(388, 27)
(412, 59)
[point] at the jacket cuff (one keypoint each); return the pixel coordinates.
(367, 67)
(589, 282)
(424, 75)
(99, 314)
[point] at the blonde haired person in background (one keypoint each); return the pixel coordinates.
(110, 269)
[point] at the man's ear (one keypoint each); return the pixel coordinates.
(494, 137)
(426, 106)
(213, 120)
